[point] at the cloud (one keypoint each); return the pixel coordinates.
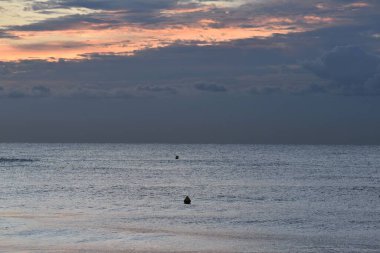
(20, 92)
(181, 69)
(265, 59)
(159, 89)
(373, 84)
(104, 14)
(349, 64)
(350, 70)
(7, 35)
(123, 27)
(74, 22)
(40, 91)
(280, 64)
(134, 5)
(52, 45)
(210, 87)
(96, 93)
(169, 70)
(16, 94)
(247, 14)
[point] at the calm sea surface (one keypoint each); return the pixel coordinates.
(245, 198)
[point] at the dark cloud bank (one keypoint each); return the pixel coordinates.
(350, 70)
(161, 97)
(114, 99)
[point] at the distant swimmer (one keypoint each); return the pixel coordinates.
(176, 157)
(187, 201)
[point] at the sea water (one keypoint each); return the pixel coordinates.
(245, 198)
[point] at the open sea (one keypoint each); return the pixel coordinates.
(245, 198)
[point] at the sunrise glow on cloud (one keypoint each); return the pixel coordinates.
(70, 29)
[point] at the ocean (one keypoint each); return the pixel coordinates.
(245, 198)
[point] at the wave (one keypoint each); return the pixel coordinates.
(15, 160)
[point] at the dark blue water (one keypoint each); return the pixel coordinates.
(245, 198)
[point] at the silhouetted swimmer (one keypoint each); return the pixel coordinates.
(187, 200)
(176, 157)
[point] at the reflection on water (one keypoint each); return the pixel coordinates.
(245, 198)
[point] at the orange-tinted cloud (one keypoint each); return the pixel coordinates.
(106, 29)
(357, 5)
(124, 40)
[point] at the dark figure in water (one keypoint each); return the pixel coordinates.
(176, 157)
(187, 200)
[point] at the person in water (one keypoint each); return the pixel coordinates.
(187, 200)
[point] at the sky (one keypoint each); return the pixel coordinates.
(190, 71)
